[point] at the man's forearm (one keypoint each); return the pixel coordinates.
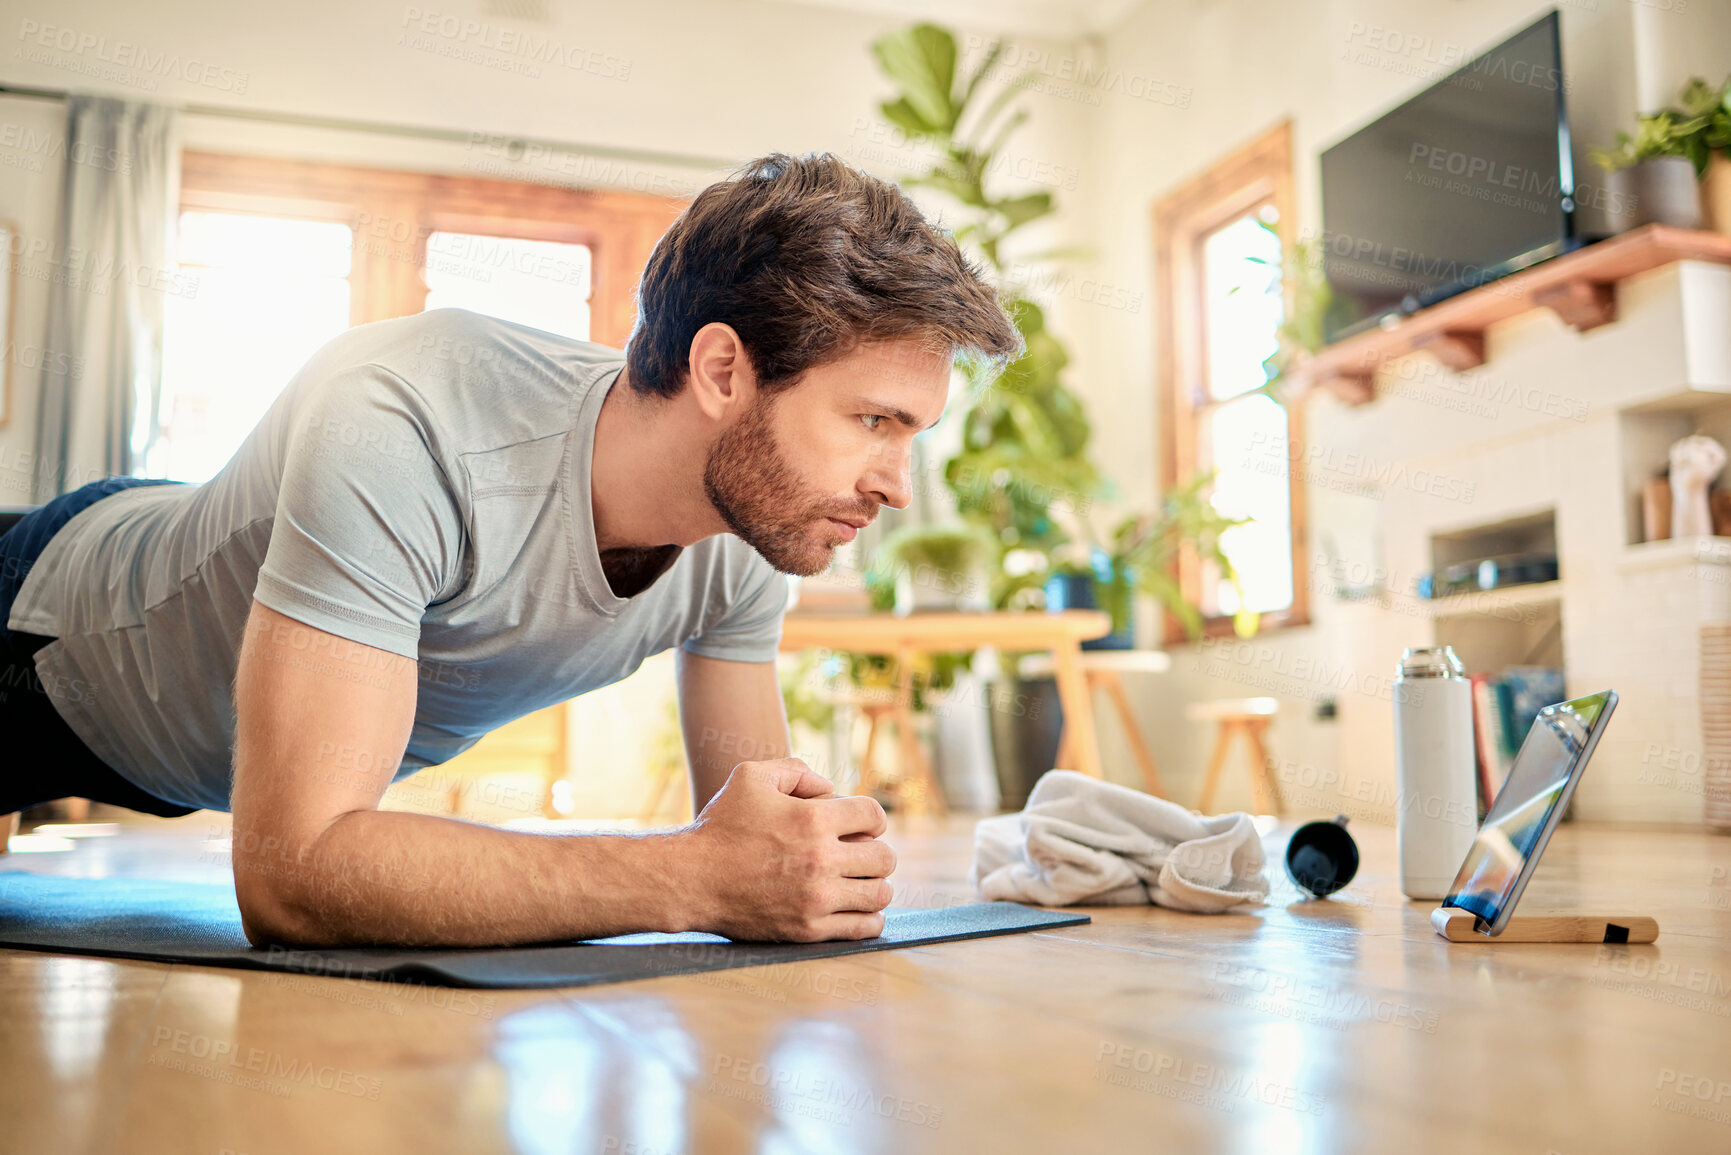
(413, 879)
(730, 712)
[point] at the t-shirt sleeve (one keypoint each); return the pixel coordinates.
(368, 529)
(750, 631)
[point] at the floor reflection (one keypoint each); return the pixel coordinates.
(594, 1078)
(77, 1010)
(819, 1087)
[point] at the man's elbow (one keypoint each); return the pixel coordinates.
(270, 915)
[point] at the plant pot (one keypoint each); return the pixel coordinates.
(1115, 592)
(1026, 724)
(925, 588)
(1073, 591)
(962, 745)
(1661, 190)
(918, 592)
(1716, 194)
(1615, 204)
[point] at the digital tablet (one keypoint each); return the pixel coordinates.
(1531, 802)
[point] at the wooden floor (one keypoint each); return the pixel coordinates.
(1344, 1025)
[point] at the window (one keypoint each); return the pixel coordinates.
(271, 290)
(1245, 436)
(1220, 243)
(289, 253)
(542, 284)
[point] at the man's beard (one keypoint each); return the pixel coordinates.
(758, 494)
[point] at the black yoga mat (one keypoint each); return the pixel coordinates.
(199, 923)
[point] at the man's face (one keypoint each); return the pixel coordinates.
(803, 470)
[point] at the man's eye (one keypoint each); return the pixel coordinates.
(870, 420)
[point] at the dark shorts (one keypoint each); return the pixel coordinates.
(50, 760)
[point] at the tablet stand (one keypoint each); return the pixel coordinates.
(1456, 925)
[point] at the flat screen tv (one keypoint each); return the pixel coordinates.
(1468, 181)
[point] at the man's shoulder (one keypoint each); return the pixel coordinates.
(466, 337)
(461, 347)
(484, 382)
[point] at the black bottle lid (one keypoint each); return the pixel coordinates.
(1321, 857)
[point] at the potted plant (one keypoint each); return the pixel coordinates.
(940, 566)
(1653, 175)
(1304, 325)
(1025, 436)
(1023, 474)
(1096, 582)
(1146, 547)
(1139, 557)
(1711, 151)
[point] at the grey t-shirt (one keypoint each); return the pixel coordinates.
(421, 486)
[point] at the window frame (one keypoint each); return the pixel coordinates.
(619, 228)
(1258, 173)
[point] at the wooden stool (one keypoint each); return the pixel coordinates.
(1101, 670)
(1250, 717)
(917, 787)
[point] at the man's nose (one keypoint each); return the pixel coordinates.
(892, 483)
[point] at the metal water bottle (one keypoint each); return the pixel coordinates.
(1436, 798)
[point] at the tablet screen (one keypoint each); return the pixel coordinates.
(1523, 808)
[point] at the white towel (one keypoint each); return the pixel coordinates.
(1083, 840)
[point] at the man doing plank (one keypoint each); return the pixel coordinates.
(447, 521)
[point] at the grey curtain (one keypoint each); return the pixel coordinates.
(118, 199)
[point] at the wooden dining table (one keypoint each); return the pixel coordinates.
(906, 636)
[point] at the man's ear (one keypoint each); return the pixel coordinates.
(719, 373)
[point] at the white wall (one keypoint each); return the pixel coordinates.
(712, 81)
(1330, 68)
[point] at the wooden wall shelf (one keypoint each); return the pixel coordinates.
(1580, 287)
(1495, 603)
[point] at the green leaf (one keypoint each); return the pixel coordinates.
(1018, 211)
(993, 110)
(1699, 98)
(906, 117)
(922, 60)
(954, 184)
(1699, 155)
(990, 148)
(1160, 585)
(1061, 253)
(972, 84)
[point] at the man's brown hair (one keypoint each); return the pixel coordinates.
(807, 258)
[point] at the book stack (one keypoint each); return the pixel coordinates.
(1716, 724)
(1504, 706)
